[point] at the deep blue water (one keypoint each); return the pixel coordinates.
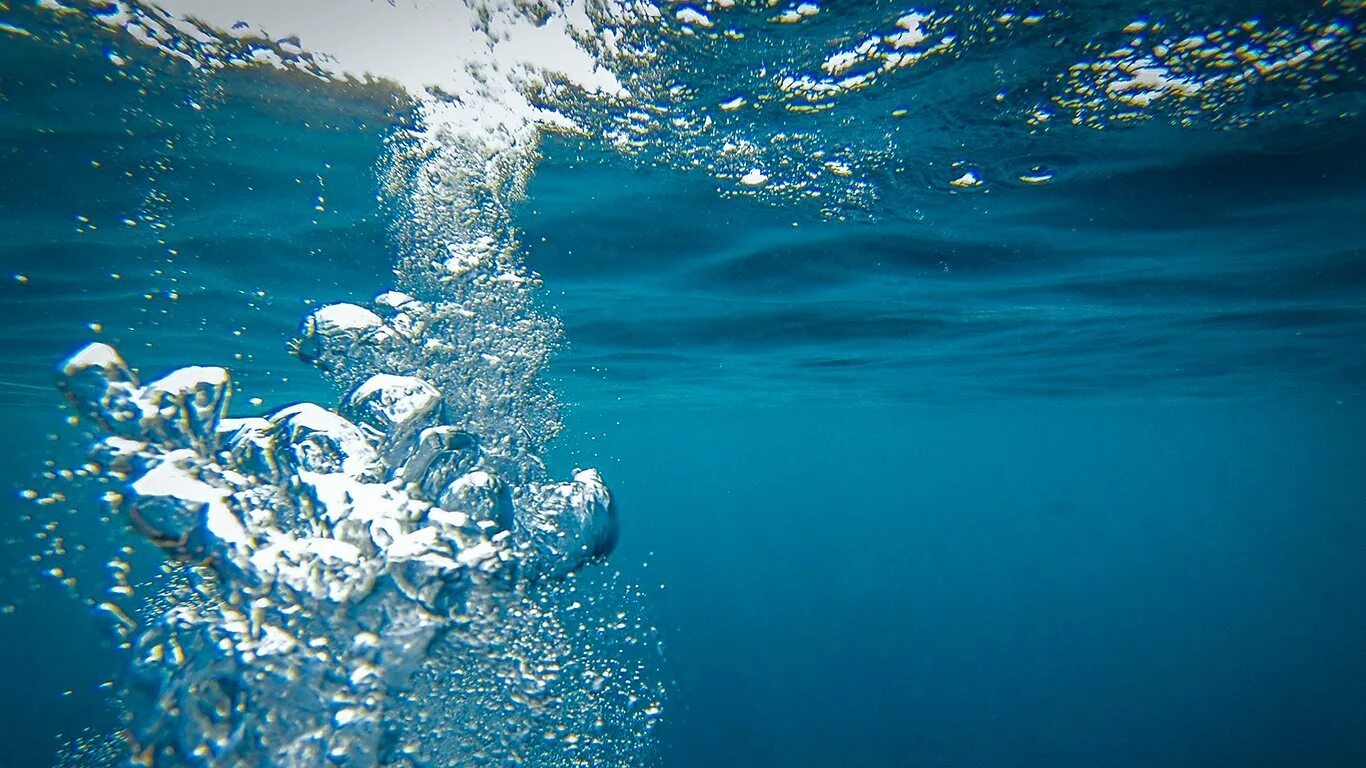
(1068, 475)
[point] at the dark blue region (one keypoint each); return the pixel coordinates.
(1162, 263)
(1010, 584)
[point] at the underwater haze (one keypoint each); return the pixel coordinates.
(611, 383)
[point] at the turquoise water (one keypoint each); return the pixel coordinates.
(1062, 472)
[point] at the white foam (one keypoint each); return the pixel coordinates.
(689, 15)
(348, 316)
(186, 379)
(913, 34)
(94, 355)
(468, 63)
(754, 178)
(169, 478)
(968, 179)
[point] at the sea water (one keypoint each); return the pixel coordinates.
(967, 385)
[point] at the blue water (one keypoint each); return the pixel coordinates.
(1059, 475)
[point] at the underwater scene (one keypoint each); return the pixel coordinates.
(752, 383)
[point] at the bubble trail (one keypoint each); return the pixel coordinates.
(396, 581)
(324, 555)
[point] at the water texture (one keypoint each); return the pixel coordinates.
(970, 384)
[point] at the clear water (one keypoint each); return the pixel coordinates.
(1055, 470)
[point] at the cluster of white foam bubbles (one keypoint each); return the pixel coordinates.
(325, 558)
(394, 581)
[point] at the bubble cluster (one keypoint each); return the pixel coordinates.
(396, 580)
(322, 553)
(482, 349)
(1204, 73)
